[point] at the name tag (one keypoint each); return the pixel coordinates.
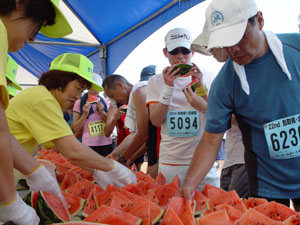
(183, 123)
(283, 137)
(96, 128)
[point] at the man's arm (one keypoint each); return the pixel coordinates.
(7, 189)
(141, 136)
(112, 116)
(203, 159)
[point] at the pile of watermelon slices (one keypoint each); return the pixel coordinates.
(148, 202)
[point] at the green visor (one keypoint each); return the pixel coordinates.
(61, 27)
(76, 63)
(11, 72)
(12, 91)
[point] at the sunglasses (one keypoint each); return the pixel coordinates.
(184, 51)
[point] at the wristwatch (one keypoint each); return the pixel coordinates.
(122, 159)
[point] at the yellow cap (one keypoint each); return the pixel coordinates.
(11, 72)
(61, 27)
(76, 63)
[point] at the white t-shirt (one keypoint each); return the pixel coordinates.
(234, 148)
(130, 119)
(175, 150)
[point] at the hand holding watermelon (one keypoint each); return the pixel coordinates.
(19, 213)
(41, 180)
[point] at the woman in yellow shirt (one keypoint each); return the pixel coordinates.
(19, 23)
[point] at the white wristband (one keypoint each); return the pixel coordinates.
(166, 95)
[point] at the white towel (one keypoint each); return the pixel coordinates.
(277, 50)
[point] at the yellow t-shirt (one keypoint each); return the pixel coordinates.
(35, 117)
(3, 60)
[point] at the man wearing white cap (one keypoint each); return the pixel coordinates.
(181, 124)
(260, 86)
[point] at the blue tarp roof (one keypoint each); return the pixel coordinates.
(119, 26)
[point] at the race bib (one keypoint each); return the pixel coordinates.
(96, 128)
(283, 137)
(183, 123)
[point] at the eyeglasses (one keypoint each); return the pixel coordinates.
(184, 51)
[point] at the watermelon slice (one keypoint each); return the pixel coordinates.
(200, 200)
(160, 179)
(256, 218)
(143, 213)
(92, 99)
(275, 211)
(211, 191)
(216, 218)
(82, 188)
(141, 176)
(106, 214)
(76, 204)
(183, 209)
(231, 198)
(79, 223)
(31, 199)
(253, 202)
(69, 179)
(193, 84)
(293, 220)
(171, 218)
(119, 201)
(233, 213)
(51, 209)
(90, 205)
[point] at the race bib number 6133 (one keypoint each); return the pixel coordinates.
(283, 137)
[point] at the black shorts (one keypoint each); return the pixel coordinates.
(103, 150)
(152, 144)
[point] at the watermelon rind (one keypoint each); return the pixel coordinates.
(47, 214)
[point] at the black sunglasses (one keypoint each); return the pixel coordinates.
(184, 51)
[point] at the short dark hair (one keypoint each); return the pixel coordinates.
(57, 79)
(40, 11)
(110, 81)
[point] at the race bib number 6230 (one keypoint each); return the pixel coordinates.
(283, 137)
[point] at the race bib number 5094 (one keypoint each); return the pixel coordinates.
(183, 123)
(283, 137)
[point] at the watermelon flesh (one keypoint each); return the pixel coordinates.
(171, 218)
(107, 214)
(92, 99)
(233, 213)
(255, 218)
(200, 200)
(293, 220)
(215, 218)
(253, 202)
(143, 213)
(76, 204)
(183, 209)
(51, 209)
(275, 211)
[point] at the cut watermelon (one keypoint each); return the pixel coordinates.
(143, 213)
(211, 191)
(69, 179)
(106, 214)
(51, 209)
(183, 209)
(79, 223)
(141, 176)
(31, 199)
(119, 201)
(200, 200)
(293, 220)
(76, 204)
(231, 198)
(253, 202)
(82, 188)
(254, 217)
(233, 213)
(92, 99)
(275, 211)
(160, 179)
(216, 218)
(171, 218)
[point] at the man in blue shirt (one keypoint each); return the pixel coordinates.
(259, 84)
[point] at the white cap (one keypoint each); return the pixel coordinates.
(97, 79)
(227, 21)
(178, 37)
(200, 43)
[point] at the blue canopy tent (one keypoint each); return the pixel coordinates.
(118, 26)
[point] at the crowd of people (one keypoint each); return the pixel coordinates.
(170, 120)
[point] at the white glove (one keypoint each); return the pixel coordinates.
(41, 180)
(119, 176)
(19, 213)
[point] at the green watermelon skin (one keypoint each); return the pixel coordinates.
(48, 215)
(184, 68)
